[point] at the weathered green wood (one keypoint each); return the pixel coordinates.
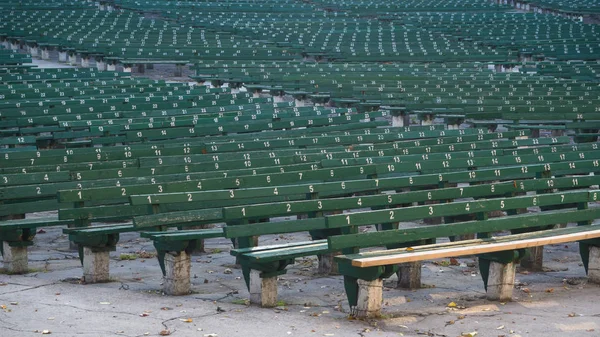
(455, 208)
(375, 239)
(186, 235)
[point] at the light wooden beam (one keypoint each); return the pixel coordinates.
(412, 256)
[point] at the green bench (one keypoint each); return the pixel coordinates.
(363, 272)
(315, 204)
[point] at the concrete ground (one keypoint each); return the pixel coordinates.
(51, 298)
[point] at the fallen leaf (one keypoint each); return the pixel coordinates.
(186, 320)
(451, 305)
(449, 323)
(409, 249)
(526, 290)
(453, 262)
(165, 333)
(550, 290)
(572, 314)
(211, 335)
(469, 334)
(144, 314)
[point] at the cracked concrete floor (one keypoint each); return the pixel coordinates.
(555, 302)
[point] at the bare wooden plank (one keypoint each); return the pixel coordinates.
(479, 248)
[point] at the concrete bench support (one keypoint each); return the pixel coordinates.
(95, 265)
(62, 56)
(326, 264)
(73, 59)
(85, 61)
(301, 102)
(594, 265)
(15, 258)
(100, 65)
(370, 297)
(501, 281)
(177, 273)
(401, 120)
(178, 70)
(45, 53)
(534, 260)
(34, 51)
(409, 275)
(263, 290)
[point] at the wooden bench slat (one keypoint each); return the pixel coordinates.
(482, 246)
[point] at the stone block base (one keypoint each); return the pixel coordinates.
(594, 265)
(62, 56)
(534, 260)
(501, 281)
(178, 70)
(15, 259)
(263, 291)
(327, 266)
(370, 297)
(177, 273)
(409, 275)
(402, 120)
(95, 265)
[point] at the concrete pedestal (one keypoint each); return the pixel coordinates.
(263, 291)
(95, 265)
(402, 120)
(177, 273)
(370, 296)
(501, 281)
(178, 70)
(534, 260)
(15, 259)
(327, 265)
(73, 59)
(100, 65)
(427, 121)
(409, 275)
(34, 52)
(62, 56)
(300, 102)
(594, 265)
(45, 54)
